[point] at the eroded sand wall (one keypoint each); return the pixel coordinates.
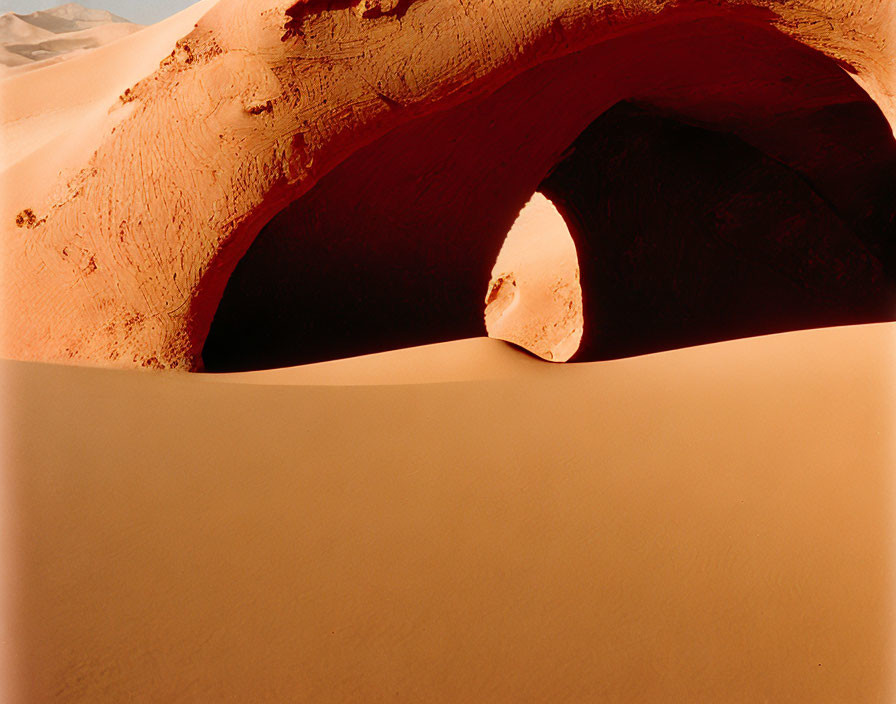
(118, 246)
(778, 217)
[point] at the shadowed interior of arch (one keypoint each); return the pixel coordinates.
(717, 178)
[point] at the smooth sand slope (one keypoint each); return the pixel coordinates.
(706, 525)
(477, 359)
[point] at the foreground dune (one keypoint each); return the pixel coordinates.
(710, 524)
(476, 359)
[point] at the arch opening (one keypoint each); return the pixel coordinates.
(534, 298)
(718, 180)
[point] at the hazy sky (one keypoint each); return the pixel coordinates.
(140, 11)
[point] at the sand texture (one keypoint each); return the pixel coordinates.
(326, 206)
(712, 524)
(377, 150)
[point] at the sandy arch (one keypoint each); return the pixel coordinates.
(126, 262)
(395, 245)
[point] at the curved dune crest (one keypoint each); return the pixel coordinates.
(242, 205)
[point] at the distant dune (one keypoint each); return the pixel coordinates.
(15, 29)
(37, 39)
(49, 115)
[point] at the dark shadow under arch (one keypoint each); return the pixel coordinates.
(688, 235)
(742, 184)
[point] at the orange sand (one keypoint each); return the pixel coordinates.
(534, 298)
(711, 524)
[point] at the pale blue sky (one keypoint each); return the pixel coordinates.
(140, 11)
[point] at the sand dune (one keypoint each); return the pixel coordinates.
(15, 30)
(70, 17)
(32, 41)
(712, 524)
(53, 115)
(476, 359)
(457, 522)
(7, 58)
(66, 45)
